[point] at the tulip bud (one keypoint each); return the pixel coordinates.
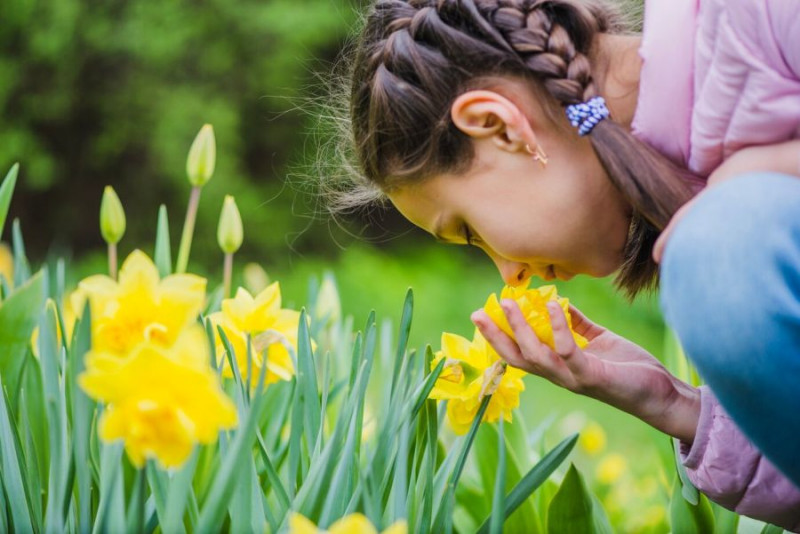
(112, 217)
(229, 231)
(202, 157)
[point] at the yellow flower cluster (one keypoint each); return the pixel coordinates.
(472, 371)
(270, 328)
(533, 304)
(352, 524)
(150, 363)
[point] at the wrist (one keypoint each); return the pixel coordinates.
(683, 412)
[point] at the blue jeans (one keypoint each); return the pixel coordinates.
(730, 288)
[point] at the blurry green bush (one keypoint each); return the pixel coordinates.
(113, 92)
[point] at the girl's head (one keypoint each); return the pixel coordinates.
(450, 99)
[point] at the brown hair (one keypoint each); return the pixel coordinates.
(414, 57)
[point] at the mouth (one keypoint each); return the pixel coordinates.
(551, 274)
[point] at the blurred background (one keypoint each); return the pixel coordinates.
(113, 92)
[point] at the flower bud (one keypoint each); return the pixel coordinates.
(202, 157)
(112, 217)
(229, 232)
(328, 307)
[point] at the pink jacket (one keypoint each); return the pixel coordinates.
(717, 76)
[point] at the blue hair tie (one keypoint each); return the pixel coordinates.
(587, 115)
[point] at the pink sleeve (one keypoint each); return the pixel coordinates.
(784, 16)
(723, 464)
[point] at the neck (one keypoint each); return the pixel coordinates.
(616, 67)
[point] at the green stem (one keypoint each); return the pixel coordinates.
(227, 275)
(112, 260)
(188, 231)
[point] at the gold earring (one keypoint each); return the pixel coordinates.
(538, 155)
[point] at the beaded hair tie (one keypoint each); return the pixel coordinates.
(587, 115)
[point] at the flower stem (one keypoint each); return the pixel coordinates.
(227, 275)
(188, 231)
(112, 260)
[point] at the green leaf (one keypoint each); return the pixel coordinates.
(13, 471)
(573, 509)
(486, 448)
(22, 271)
(60, 455)
(725, 521)
(402, 342)
(498, 501)
(136, 505)
(688, 491)
(178, 495)
(307, 382)
(771, 529)
(536, 477)
(18, 316)
(444, 515)
(82, 413)
(6, 192)
(213, 510)
(111, 508)
(688, 518)
(163, 254)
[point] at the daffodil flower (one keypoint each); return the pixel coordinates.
(272, 329)
(533, 304)
(352, 524)
(140, 306)
(161, 401)
(472, 371)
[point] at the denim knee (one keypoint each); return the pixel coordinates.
(729, 276)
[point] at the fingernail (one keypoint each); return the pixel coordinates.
(552, 307)
(506, 305)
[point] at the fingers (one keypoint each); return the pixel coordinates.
(502, 343)
(582, 325)
(562, 336)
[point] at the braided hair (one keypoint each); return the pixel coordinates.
(415, 57)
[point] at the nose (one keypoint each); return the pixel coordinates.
(513, 273)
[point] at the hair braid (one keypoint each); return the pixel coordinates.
(416, 56)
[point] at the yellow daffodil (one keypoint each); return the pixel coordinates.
(532, 302)
(610, 468)
(473, 370)
(270, 328)
(592, 439)
(141, 306)
(352, 524)
(161, 401)
(7, 264)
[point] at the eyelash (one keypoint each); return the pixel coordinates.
(468, 236)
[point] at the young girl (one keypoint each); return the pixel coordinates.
(539, 132)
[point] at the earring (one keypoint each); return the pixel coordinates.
(538, 155)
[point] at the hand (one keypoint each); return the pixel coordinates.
(610, 368)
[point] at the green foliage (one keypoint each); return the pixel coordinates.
(114, 93)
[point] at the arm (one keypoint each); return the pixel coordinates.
(783, 158)
(723, 464)
(720, 461)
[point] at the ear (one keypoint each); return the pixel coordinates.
(489, 115)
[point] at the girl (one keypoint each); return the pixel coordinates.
(540, 132)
